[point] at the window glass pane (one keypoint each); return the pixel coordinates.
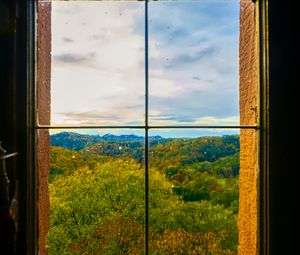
(194, 191)
(96, 186)
(97, 71)
(193, 59)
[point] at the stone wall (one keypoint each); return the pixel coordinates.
(43, 110)
(248, 71)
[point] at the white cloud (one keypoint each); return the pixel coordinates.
(169, 120)
(97, 61)
(193, 61)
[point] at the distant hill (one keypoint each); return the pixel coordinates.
(164, 152)
(75, 141)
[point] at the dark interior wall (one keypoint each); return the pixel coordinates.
(15, 121)
(7, 74)
(8, 139)
(282, 132)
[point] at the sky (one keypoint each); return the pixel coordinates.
(98, 64)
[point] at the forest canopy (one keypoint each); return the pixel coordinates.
(97, 196)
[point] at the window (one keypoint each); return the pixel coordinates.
(17, 67)
(160, 79)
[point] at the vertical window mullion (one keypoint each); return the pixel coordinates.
(146, 133)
